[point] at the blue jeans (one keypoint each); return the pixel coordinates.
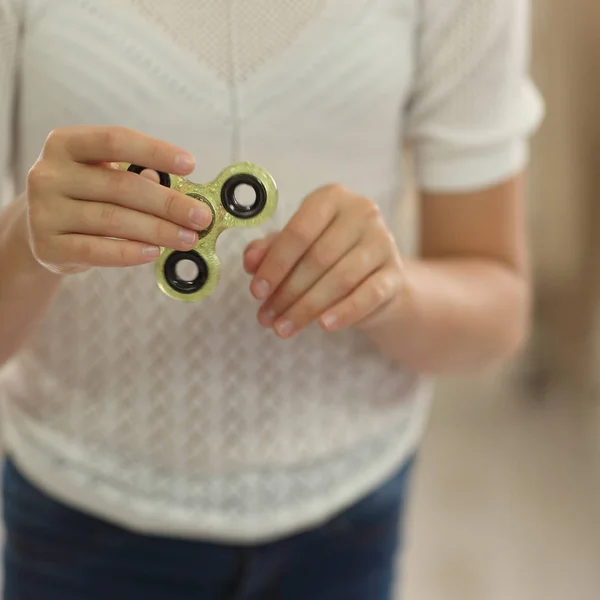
(53, 552)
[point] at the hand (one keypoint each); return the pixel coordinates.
(83, 212)
(335, 262)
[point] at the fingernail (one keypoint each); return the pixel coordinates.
(151, 251)
(185, 161)
(187, 236)
(329, 321)
(285, 328)
(201, 217)
(261, 289)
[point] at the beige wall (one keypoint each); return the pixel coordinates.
(564, 183)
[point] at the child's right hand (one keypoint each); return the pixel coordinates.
(77, 201)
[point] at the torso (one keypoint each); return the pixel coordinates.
(192, 417)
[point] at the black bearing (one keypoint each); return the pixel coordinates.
(235, 208)
(164, 178)
(184, 286)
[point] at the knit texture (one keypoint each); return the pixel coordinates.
(192, 419)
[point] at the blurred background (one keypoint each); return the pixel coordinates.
(507, 498)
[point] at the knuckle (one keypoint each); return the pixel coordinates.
(122, 253)
(355, 306)
(323, 212)
(171, 204)
(363, 261)
(320, 203)
(166, 234)
(108, 216)
(320, 257)
(112, 139)
(309, 308)
(329, 197)
(347, 280)
(274, 267)
(82, 249)
(291, 292)
(119, 185)
(301, 231)
(154, 152)
(380, 289)
(334, 189)
(326, 196)
(41, 176)
(370, 209)
(55, 139)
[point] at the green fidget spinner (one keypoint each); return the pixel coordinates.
(228, 211)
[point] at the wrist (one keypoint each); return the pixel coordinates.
(16, 246)
(397, 329)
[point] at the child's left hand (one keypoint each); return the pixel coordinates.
(335, 262)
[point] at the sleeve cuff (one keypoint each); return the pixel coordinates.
(470, 171)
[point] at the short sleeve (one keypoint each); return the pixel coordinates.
(472, 107)
(9, 36)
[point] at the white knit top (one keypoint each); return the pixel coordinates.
(191, 419)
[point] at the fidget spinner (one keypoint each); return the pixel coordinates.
(228, 211)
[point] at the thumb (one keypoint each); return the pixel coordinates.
(255, 252)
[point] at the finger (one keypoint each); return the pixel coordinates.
(312, 219)
(109, 165)
(261, 243)
(337, 241)
(112, 220)
(137, 193)
(90, 251)
(151, 175)
(357, 266)
(370, 297)
(256, 251)
(120, 144)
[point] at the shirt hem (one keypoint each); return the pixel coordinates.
(225, 529)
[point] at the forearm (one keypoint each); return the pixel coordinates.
(26, 287)
(455, 316)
